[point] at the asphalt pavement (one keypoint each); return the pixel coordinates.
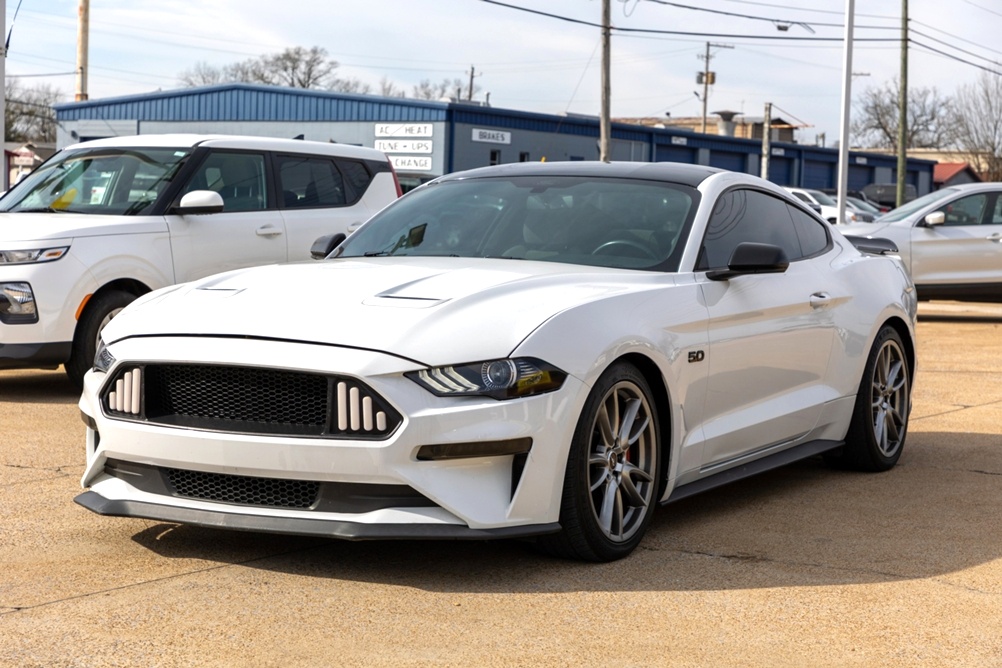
(805, 566)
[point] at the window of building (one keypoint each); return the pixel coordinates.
(495, 157)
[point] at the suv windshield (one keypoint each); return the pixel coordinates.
(111, 181)
(906, 210)
(609, 222)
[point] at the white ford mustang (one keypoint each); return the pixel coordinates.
(546, 350)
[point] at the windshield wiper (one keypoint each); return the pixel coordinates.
(38, 209)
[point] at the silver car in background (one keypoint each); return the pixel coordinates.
(950, 240)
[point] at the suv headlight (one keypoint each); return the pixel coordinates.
(32, 256)
(499, 379)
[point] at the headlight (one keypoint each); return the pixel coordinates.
(103, 360)
(31, 256)
(500, 379)
(17, 304)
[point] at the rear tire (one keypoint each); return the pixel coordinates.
(101, 308)
(879, 424)
(614, 470)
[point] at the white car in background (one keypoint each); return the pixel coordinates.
(539, 349)
(826, 205)
(950, 240)
(103, 222)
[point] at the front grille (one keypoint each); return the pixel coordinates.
(249, 400)
(243, 490)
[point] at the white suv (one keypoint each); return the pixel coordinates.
(103, 222)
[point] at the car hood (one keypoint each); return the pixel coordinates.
(27, 228)
(429, 310)
(863, 229)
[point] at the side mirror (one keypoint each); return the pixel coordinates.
(933, 219)
(323, 246)
(752, 258)
(199, 201)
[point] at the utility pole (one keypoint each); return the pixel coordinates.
(708, 76)
(469, 92)
(903, 108)
(766, 140)
(604, 123)
(83, 30)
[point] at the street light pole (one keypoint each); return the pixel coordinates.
(843, 145)
(903, 109)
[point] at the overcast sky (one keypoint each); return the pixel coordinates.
(526, 61)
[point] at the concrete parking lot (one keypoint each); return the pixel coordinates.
(805, 566)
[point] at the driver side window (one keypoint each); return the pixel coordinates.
(968, 210)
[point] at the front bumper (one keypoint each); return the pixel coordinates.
(33, 355)
(299, 526)
(473, 497)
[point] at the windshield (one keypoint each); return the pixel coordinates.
(116, 181)
(862, 205)
(906, 210)
(604, 222)
(822, 198)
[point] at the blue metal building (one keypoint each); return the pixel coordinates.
(426, 139)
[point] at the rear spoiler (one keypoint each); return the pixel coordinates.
(875, 246)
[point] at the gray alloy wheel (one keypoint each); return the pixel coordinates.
(889, 397)
(613, 471)
(622, 462)
(876, 435)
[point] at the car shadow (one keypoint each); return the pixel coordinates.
(803, 525)
(37, 386)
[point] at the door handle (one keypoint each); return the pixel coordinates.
(354, 226)
(997, 236)
(268, 231)
(820, 299)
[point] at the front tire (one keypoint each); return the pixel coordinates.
(613, 471)
(100, 310)
(879, 424)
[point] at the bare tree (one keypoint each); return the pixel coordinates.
(456, 88)
(979, 125)
(29, 113)
(930, 118)
(296, 67)
(202, 74)
(389, 89)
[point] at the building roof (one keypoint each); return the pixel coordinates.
(944, 171)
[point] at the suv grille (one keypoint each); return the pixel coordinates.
(249, 400)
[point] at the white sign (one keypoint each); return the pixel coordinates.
(404, 145)
(23, 160)
(491, 136)
(680, 141)
(860, 160)
(778, 151)
(411, 163)
(403, 130)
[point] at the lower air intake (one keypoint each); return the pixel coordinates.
(243, 490)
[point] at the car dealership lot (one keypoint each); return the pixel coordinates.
(801, 566)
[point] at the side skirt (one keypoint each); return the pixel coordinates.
(782, 458)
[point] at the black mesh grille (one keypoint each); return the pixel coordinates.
(243, 394)
(243, 490)
(253, 400)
